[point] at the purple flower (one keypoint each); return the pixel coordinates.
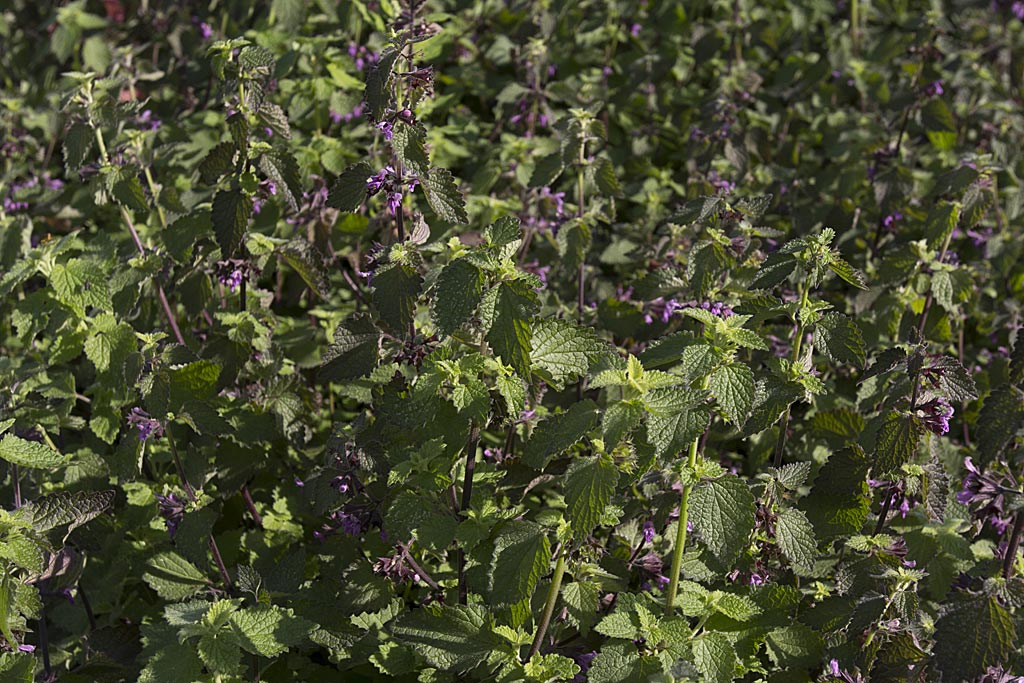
(26, 648)
(936, 414)
(335, 116)
(934, 89)
(299, 482)
(172, 509)
(146, 425)
(375, 182)
(648, 532)
(1018, 10)
(233, 279)
(394, 201)
(892, 218)
(387, 128)
(148, 121)
(634, 30)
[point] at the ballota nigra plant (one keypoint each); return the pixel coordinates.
(433, 340)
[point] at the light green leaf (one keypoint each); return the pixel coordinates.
(563, 351)
(450, 637)
(29, 453)
(220, 652)
(522, 554)
(795, 537)
(269, 631)
(559, 432)
(173, 577)
(733, 387)
(793, 646)
(65, 507)
(723, 511)
(444, 196)
(840, 338)
(589, 485)
(714, 656)
(619, 419)
(506, 312)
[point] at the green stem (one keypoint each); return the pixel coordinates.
(855, 23)
(780, 445)
(549, 604)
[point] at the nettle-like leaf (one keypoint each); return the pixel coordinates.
(897, 442)
(173, 577)
(395, 291)
(458, 293)
(839, 502)
(723, 511)
(444, 196)
(563, 351)
(506, 313)
(840, 338)
(795, 537)
(972, 635)
(1002, 415)
(230, 217)
(71, 508)
(732, 386)
(559, 432)
(715, 657)
(589, 485)
(269, 631)
(348, 192)
(279, 166)
(450, 637)
(522, 554)
(27, 453)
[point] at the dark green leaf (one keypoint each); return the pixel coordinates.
(589, 485)
(230, 217)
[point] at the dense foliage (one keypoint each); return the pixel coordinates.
(442, 340)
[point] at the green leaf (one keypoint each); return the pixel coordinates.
(550, 667)
(299, 254)
(354, 351)
(848, 273)
(619, 419)
(942, 219)
(546, 170)
(897, 442)
(80, 284)
(505, 313)
(378, 77)
(348, 192)
(29, 453)
(620, 663)
(793, 646)
(217, 162)
(1002, 414)
(559, 432)
(230, 218)
(444, 196)
(775, 269)
(971, 636)
(522, 555)
(395, 290)
(564, 351)
(220, 652)
(674, 420)
(840, 338)
(181, 236)
(173, 577)
(77, 143)
(954, 379)
(604, 178)
(129, 193)
(619, 624)
(72, 508)
(838, 504)
(450, 637)
(733, 387)
(581, 600)
(723, 511)
(408, 143)
(504, 231)
(269, 631)
(280, 167)
(589, 485)
(698, 209)
(795, 537)
(714, 656)
(459, 290)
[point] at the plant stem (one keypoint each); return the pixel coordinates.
(87, 606)
(549, 604)
(16, 481)
(467, 493)
(253, 512)
(427, 578)
(780, 445)
(1011, 548)
(680, 544)
(44, 644)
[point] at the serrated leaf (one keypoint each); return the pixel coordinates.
(220, 652)
(840, 338)
(897, 442)
(722, 510)
(408, 143)
(348, 192)
(395, 290)
(506, 316)
(886, 362)
(506, 230)
(714, 656)
(733, 387)
(129, 193)
(72, 508)
(563, 351)
(280, 167)
(450, 637)
(522, 555)
(581, 601)
(589, 485)
(78, 142)
(274, 117)
(546, 170)
(444, 196)
(791, 476)
(954, 379)
(794, 646)
(848, 273)
(299, 254)
(217, 162)
(378, 77)
(29, 453)
(697, 210)
(269, 631)
(795, 537)
(673, 420)
(354, 351)
(181, 236)
(173, 577)
(619, 419)
(604, 178)
(1002, 415)
(230, 217)
(559, 432)
(775, 269)
(971, 636)
(458, 292)
(838, 503)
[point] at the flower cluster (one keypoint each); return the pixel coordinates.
(146, 425)
(349, 523)
(266, 190)
(233, 272)
(362, 55)
(172, 508)
(388, 181)
(936, 414)
(985, 493)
